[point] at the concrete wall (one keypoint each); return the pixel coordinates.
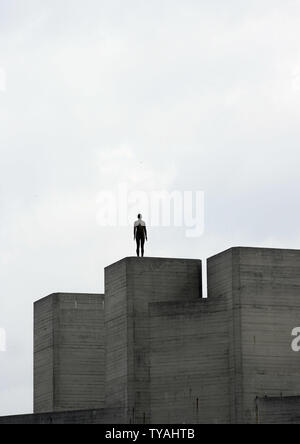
(69, 352)
(223, 283)
(268, 411)
(189, 362)
(262, 290)
(44, 355)
(283, 410)
(97, 416)
(130, 285)
(270, 309)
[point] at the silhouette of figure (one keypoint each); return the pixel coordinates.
(140, 234)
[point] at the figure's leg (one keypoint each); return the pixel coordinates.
(138, 241)
(143, 243)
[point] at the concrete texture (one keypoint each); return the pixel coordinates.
(189, 362)
(283, 410)
(97, 416)
(130, 286)
(171, 356)
(270, 309)
(69, 352)
(262, 290)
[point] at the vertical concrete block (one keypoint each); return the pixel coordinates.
(270, 310)
(280, 410)
(130, 286)
(69, 352)
(223, 282)
(262, 289)
(189, 362)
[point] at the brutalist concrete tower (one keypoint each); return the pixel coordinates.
(131, 285)
(261, 287)
(69, 352)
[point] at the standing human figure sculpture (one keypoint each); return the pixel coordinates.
(140, 235)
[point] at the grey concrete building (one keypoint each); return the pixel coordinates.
(153, 351)
(131, 286)
(69, 355)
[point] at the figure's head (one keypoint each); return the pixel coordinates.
(139, 216)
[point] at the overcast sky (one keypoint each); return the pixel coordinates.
(160, 94)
